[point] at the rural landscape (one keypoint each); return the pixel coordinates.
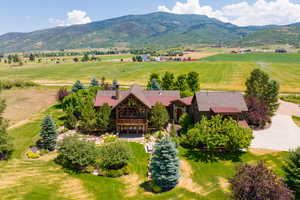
(173, 104)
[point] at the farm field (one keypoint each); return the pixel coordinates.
(257, 57)
(43, 179)
(213, 75)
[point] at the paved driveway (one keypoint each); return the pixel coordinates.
(287, 108)
(283, 135)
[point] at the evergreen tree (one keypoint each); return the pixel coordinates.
(167, 82)
(193, 81)
(292, 171)
(48, 134)
(150, 81)
(94, 82)
(77, 86)
(114, 84)
(159, 116)
(154, 85)
(6, 146)
(31, 57)
(164, 165)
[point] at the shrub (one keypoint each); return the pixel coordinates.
(218, 133)
(110, 138)
(258, 113)
(114, 156)
(291, 98)
(8, 84)
(75, 153)
(62, 93)
(292, 171)
(258, 183)
(48, 134)
(113, 173)
(164, 164)
(32, 155)
(185, 122)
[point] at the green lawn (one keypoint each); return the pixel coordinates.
(291, 98)
(43, 179)
(257, 57)
(296, 120)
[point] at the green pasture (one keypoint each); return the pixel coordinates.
(213, 75)
(257, 57)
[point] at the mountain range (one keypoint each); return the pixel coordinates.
(158, 29)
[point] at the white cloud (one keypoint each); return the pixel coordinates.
(74, 17)
(261, 12)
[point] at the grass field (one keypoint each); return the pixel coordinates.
(21, 178)
(257, 57)
(22, 103)
(213, 75)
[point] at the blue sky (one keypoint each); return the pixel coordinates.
(25, 16)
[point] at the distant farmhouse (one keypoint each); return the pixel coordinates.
(131, 108)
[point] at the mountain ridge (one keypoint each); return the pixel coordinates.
(159, 29)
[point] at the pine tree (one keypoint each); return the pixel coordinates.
(6, 146)
(48, 134)
(77, 86)
(164, 166)
(193, 81)
(94, 82)
(292, 171)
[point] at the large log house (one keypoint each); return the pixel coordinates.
(131, 108)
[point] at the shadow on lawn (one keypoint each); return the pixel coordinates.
(206, 156)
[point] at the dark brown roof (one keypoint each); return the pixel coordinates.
(208, 100)
(149, 98)
(225, 110)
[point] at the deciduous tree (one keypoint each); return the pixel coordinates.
(159, 116)
(168, 81)
(193, 81)
(257, 182)
(260, 86)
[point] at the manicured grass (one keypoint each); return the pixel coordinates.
(296, 120)
(291, 98)
(44, 179)
(211, 171)
(257, 57)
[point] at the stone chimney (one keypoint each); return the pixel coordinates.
(117, 88)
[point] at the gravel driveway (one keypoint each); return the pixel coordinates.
(283, 135)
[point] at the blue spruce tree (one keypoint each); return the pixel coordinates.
(77, 86)
(48, 134)
(164, 166)
(154, 85)
(94, 82)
